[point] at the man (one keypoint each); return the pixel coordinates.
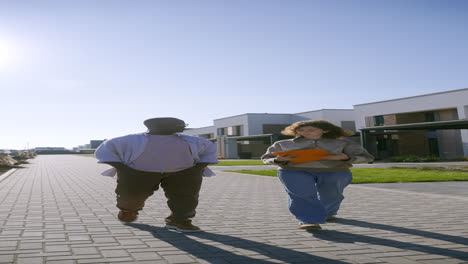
(160, 157)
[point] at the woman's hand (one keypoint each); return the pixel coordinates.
(285, 158)
(340, 156)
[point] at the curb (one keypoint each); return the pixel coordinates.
(6, 174)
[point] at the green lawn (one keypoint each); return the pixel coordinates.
(238, 162)
(378, 175)
(371, 175)
(4, 169)
(86, 155)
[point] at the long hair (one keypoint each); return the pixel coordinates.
(333, 131)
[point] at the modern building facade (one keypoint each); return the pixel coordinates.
(248, 135)
(425, 125)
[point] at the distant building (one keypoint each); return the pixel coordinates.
(94, 144)
(89, 148)
(52, 150)
(49, 148)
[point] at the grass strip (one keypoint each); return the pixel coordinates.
(238, 163)
(4, 169)
(388, 175)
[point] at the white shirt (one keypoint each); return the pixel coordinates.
(164, 153)
(128, 148)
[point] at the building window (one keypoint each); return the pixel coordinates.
(429, 117)
(349, 125)
(230, 131)
(207, 136)
(222, 131)
(379, 121)
(235, 131)
(274, 128)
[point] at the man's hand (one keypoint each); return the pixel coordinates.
(285, 158)
(202, 165)
(117, 165)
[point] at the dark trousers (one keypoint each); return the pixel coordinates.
(181, 189)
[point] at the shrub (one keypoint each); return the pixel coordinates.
(430, 159)
(413, 158)
(397, 159)
(6, 160)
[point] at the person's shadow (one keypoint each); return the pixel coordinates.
(428, 234)
(344, 237)
(250, 250)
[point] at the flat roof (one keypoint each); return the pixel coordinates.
(251, 114)
(250, 137)
(452, 124)
(192, 128)
(284, 113)
(422, 95)
(347, 109)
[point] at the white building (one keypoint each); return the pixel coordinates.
(248, 135)
(426, 125)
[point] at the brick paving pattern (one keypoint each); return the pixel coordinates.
(60, 210)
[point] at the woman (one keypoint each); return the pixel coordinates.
(315, 188)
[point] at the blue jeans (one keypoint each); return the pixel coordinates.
(314, 195)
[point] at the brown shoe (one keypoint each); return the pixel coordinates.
(310, 226)
(127, 216)
(182, 227)
(331, 218)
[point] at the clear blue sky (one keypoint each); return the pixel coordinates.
(72, 71)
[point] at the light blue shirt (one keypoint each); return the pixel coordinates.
(164, 153)
(127, 149)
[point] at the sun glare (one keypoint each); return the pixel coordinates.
(7, 54)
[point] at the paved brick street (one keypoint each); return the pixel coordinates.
(60, 210)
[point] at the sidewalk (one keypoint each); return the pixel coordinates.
(60, 210)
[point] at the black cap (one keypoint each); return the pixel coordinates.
(164, 125)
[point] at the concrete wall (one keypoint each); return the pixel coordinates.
(310, 115)
(239, 120)
(256, 121)
(200, 131)
(335, 116)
